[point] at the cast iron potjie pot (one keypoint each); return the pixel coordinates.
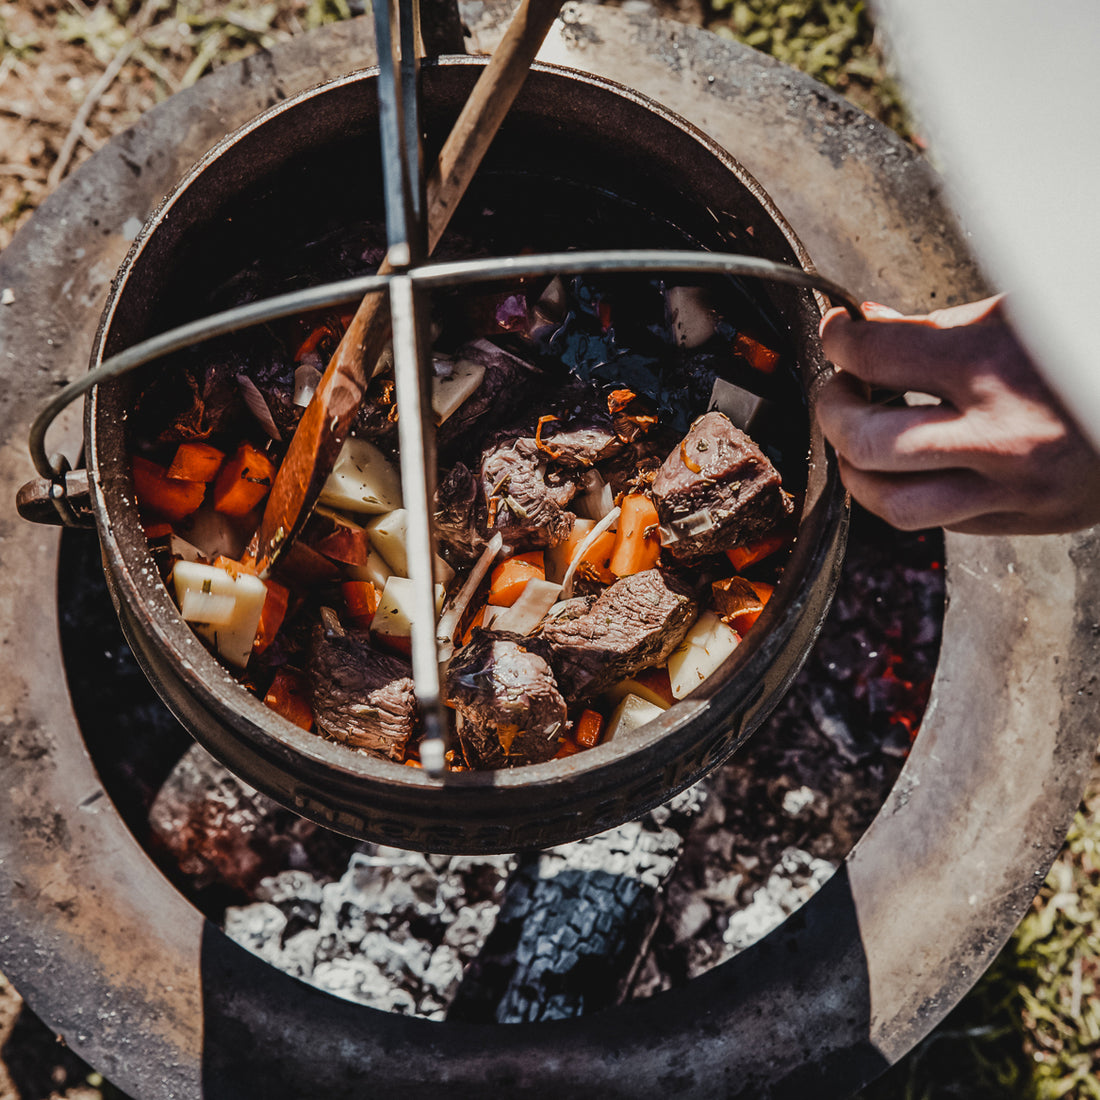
(292, 167)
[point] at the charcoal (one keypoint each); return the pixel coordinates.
(509, 709)
(361, 696)
(217, 830)
(573, 923)
(634, 624)
(717, 490)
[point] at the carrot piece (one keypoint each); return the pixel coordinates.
(170, 498)
(289, 697)
(475, 622)
(233, 567)
(154, 531)
(510, 578)
(568, 748)
(741, 557)
(637, 541)
(196, 462)
(596, 559)
(271, 617)
(758, 356)
(740, 602)
(350, 545)
(243, 482)
(588, 729)
(361, 600)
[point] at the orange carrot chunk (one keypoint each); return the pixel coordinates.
(758, 356)
(361, 599)
(156, 531)
(289, 697)
(588, 729)
(510, 578)
(475, 622)
(163, 495)
(196, 462)
(243, 482)
(568, 748)
(637, 540)
(271, 617)
(741, 557)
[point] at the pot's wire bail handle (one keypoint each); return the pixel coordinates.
(58, 495)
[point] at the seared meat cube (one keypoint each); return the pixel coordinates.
(633, 469)
(716, 490)
(579, 431)
(459, 514)
(504, 388)
(524, 506)
(361, 696)
(509, 708)
(635, 623)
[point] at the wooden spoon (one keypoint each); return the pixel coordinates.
(327, 420)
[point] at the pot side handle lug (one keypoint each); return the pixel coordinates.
(62, 502)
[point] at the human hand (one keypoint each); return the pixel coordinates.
(996, 455)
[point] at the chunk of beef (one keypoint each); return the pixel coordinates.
(505, 387)
(635, 623)
(582, 431)
(459, 514)
(361, 697)
(580, 441)
(523, 503)
(716, 490)
(376, 419)
(509, 708)
(632, 470)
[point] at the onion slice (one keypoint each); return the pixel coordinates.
(449, 620)
(258, 406)
(605, 524)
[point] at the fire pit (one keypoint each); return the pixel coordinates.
(111, 955)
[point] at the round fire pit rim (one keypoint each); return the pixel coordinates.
(164, 1060)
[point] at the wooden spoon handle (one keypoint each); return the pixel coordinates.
(326, 422)
(484, 111)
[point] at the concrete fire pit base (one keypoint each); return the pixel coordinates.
(106, 950)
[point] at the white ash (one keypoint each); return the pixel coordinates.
(394, 932)
(794, 881)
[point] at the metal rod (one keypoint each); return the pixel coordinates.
(429, 277)
(418, 489)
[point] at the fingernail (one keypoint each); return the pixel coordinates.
(877, 309)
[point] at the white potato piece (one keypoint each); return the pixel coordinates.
(389, 538)
(376, 570)
(596, 499)
(389, 535)
(362, 480)
(530, 609)
(631, 713)
(393, 619)
(232, 630)
(707, 644)
(451, 390)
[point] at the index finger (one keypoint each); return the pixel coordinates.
(903, 353)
